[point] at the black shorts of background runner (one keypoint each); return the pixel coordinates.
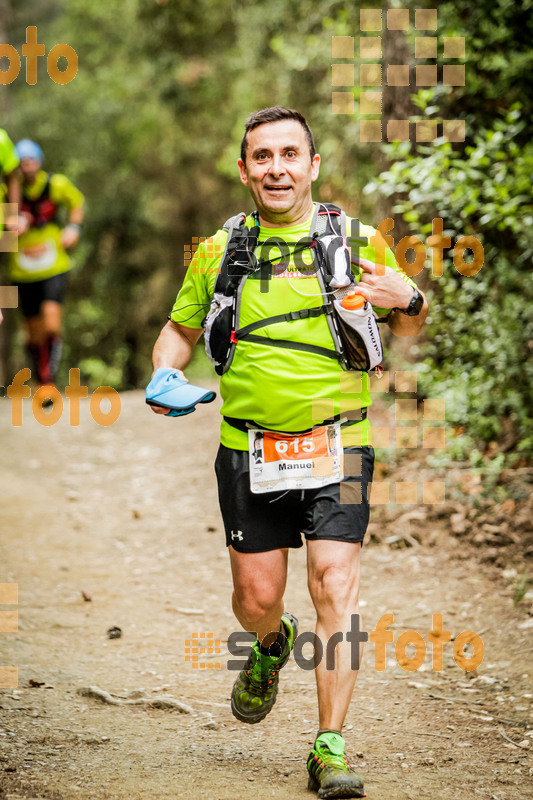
(256, 523)
(32, 294)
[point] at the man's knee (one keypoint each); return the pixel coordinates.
(52, 325)
(255, 604)
(51, 317)
(334, 586)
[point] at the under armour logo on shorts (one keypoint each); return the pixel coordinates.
(238, 535)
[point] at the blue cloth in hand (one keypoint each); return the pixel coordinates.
(168, 390)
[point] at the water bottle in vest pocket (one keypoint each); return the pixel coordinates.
(358, 329)
(217, 329)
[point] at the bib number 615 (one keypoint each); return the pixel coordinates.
(294, 446)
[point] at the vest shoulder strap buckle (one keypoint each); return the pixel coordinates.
(302, 314)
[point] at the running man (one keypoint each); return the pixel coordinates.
(273, 388)
(41, 264)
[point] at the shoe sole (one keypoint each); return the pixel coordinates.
(334, 791)
(253, 718)
(294, 624)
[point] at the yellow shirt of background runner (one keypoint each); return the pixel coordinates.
(41, 254)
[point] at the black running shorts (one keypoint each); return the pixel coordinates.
(255, 523)
(33, 294)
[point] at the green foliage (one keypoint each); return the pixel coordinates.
(477, 352)
(499, 58)
(150, 131)
(480, 331)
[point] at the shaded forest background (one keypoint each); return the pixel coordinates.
(150, 128)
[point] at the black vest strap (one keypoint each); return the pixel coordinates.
(355, 416)
(304, 313)
(238, 259)
(42, 209)
(45, 194)
(238, 263)
(288, 345)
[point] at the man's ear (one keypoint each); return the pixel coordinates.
(242, 170)
(315, 167)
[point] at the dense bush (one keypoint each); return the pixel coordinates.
(480, 334)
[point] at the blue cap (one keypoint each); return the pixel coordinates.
(168, 390)
(28, 149)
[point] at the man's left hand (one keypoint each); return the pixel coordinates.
(17, 224)
(70, 236)
(382, 286)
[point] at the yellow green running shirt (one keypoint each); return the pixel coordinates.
(9, 161)
(279, 388)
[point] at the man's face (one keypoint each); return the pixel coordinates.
(30, 167)
(279, 172)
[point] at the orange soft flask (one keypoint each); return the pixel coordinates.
(358, 329)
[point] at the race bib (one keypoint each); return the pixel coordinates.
(38, 257)
(279, 462)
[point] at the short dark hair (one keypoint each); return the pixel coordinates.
(275, 114)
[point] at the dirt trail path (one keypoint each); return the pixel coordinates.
(129, 515)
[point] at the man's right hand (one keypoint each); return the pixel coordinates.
(159, 409)
(174, 346)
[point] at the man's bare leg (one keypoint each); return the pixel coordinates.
(259, 581)
(43, 340)
(333, 578)
(51, 316)
(259, 584)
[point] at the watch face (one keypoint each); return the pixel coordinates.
(415, 306)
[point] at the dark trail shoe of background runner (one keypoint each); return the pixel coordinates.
(255, 690)
(329, 771)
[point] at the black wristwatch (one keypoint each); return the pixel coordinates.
(415, 306)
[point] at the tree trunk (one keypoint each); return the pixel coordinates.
(397, 104)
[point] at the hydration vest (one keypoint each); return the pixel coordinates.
(331, 258)
(41, 209)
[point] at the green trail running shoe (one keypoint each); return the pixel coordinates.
(254, 692)
(329, 771)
